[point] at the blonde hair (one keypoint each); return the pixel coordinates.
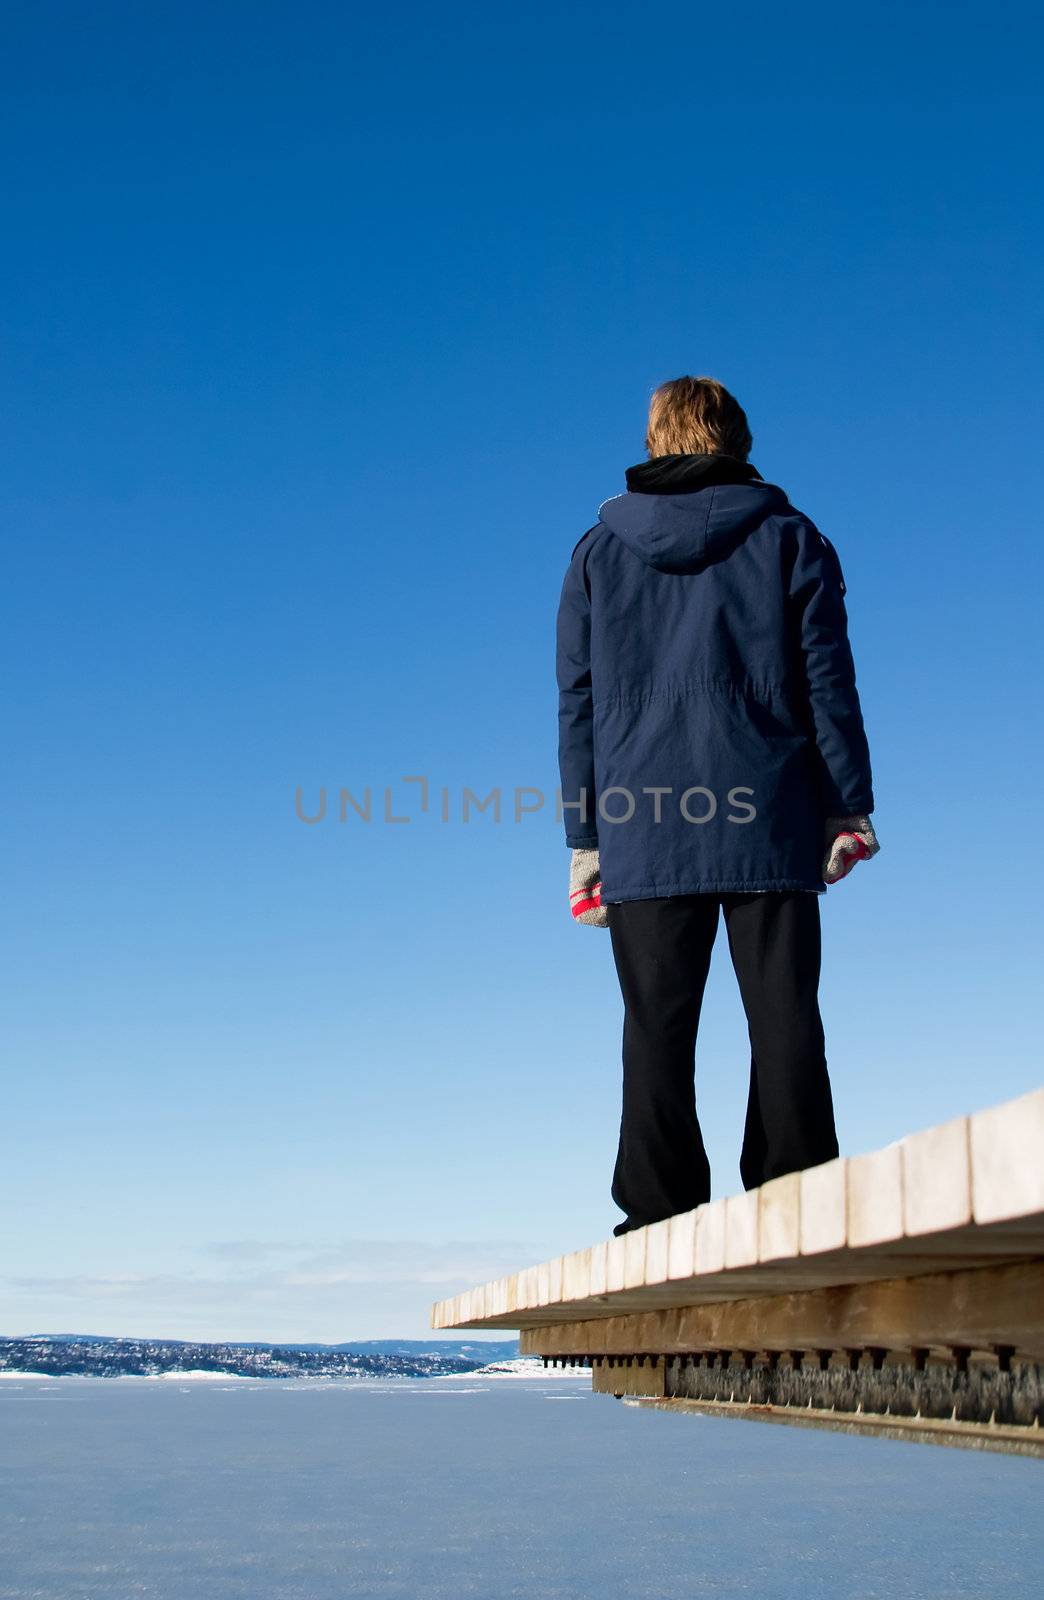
(696, 416)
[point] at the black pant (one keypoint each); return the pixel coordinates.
(662, 950)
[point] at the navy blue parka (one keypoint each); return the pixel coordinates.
(709, 722)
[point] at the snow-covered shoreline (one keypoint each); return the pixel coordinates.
(497, 1371)
(196, 1375)
(519, 1367)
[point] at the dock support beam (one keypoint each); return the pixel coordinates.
(952, 1357)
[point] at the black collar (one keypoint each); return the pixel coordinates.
(680, 474)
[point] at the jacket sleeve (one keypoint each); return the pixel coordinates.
(817, 590)
(575, 710)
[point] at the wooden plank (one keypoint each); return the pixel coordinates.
(937, 1179)
(634, 1257)
(615, 1267)
(779, 1218)
(875, 1198)
(741, 1229)
(599, 1261)
(657, 1252)
(710, 1238)
(681, 1245)
(1007, 1158)
(576, 1275)
(823, 1209)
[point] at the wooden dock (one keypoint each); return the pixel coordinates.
(900, 1292)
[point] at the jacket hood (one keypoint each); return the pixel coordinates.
(682, 511)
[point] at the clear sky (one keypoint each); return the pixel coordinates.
(327, 330)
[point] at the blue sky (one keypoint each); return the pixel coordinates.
(326, 333)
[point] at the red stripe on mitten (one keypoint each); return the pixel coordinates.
(848, 840)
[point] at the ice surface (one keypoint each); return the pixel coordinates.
(440, 1490)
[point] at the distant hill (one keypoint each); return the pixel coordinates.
(89, 1355)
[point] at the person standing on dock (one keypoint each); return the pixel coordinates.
(713, 760)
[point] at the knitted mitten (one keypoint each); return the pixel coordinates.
(585, 889)
(848, 840)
